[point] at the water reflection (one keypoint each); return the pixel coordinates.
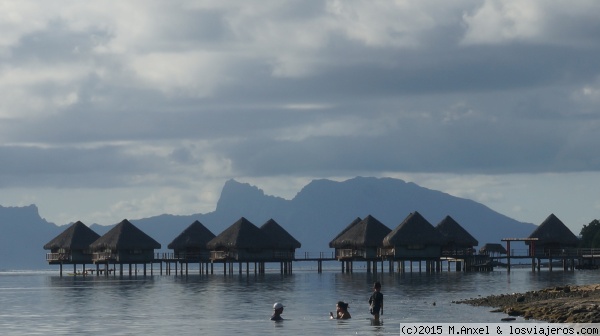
(228, 304)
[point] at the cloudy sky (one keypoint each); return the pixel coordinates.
(129, 109)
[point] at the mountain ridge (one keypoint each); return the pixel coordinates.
(314, 216)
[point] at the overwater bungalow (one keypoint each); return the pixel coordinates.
(72, 246)
(190, 245)
(124, 244)
(553, 238)
(492, 250)
(283, 244)
(361, 241)
(414, 239)
(242, 241)
(457, 240)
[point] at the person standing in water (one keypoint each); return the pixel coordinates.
(376, 301)
(277, 310)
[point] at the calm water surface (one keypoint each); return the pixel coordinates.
(42, 303)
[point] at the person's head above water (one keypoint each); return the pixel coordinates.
(342, 305)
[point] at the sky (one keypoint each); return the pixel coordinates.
(131, 109)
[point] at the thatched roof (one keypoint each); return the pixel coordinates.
(492, 248)
(554, 231)
(454, 233)
(194, 236)
(414, 230)
(76, 237)
(240, 235)
(367, 233)
(354, 222)
(125, 236)
(280, 238)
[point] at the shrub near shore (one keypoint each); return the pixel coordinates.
(565, 304)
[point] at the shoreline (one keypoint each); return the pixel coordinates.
(561, 304)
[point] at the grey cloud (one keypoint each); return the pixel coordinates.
(107, 166)
(518, 117)
(493, 148)
(57, 44)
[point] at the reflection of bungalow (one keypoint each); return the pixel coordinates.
(492, 249)
(242, 241)
(554, 238)
(457, 241)
(361, 240)
(124, 244)
(190, 245)
(284, 245)
(414, 239)
(72, 246)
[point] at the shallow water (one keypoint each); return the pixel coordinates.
(39, 303)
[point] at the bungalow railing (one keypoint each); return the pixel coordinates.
(219, 255)
(458, 252)
(555, 252)
(566, 252)
(314, 255)
(349, 253)
(164, 255)
(385, 251)
(58, 257)
(591, 252)
(101, 256)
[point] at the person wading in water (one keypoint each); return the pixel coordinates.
(376, 301)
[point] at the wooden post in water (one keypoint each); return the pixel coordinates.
(508, 255)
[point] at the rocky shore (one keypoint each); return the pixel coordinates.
(565, 304)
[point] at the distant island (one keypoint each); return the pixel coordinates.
(322, 206)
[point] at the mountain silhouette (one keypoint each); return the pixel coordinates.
(314, 216)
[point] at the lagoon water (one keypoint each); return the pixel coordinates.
(43, 303)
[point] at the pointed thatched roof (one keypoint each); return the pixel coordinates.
(414, 230)
(194, 236)
(279, 236)
(354, 222)
(492, 248)
(76, 237)
(125, 236)
(240, 235)
(367, 233)
(454, 233)
(553, 230)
